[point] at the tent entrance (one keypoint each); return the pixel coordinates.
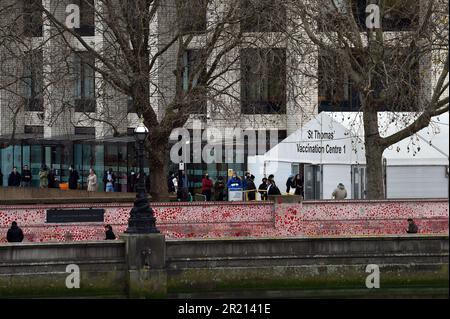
(313, 181)
(359, 182)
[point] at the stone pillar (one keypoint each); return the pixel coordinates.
(146, 261)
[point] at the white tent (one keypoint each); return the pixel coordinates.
(329, 149)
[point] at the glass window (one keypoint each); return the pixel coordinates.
(7, 162)
(192, 15)
(263, 81)
(33, 21)
(85, 130)
(111, 157)
(33, 79)
(87, 17)
(84, 82)
(398, 79)
(35, 163)
(123, 169)
(193, 75)
(18, 157)
(263, 16)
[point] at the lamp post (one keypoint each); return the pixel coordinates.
(141, 219)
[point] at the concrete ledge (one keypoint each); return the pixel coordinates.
(305, 277)
(109, 268)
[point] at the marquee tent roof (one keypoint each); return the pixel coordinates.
(338, 138)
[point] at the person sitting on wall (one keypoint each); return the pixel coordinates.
(340, 192)
(73, 178)
(14, 178)
(14, 234)
(109, 234)
(412, 227)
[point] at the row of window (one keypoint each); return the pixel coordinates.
(79, 130)
(257, 16)
(33, 22)
(263, 83)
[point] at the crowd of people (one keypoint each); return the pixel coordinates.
(48, 178)
(177, 184)
(217, 190)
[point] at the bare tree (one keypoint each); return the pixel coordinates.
(400, 65)
(142, 57)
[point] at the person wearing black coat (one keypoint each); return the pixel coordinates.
(14, 178)
(132, 181)
(109, 234)
(14, 234)
(1, 178)
(298, 185)
(52, 179)
(170, 184)
(26, 177)
(73, 178)
(412, 227)
(272, 188)
(251, 188)
(262, 189)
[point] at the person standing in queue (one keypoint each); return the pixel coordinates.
(262, 189)
(73, 178)
(92, 181)
(298, 185)
(207, 186)
(26, 177)
(183, 187)
(14, 178)
(251, 188)
(43, 177)
(52, 182)
(109, 180)
(219, 188)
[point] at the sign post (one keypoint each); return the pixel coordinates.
(235, 195)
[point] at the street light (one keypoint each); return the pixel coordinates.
(142, 220)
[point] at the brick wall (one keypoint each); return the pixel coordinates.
(224, 219)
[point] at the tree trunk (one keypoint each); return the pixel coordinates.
(374, 151)
(158, 171)
(375, 178)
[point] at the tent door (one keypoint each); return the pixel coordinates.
(359, 182)
(313, 181)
